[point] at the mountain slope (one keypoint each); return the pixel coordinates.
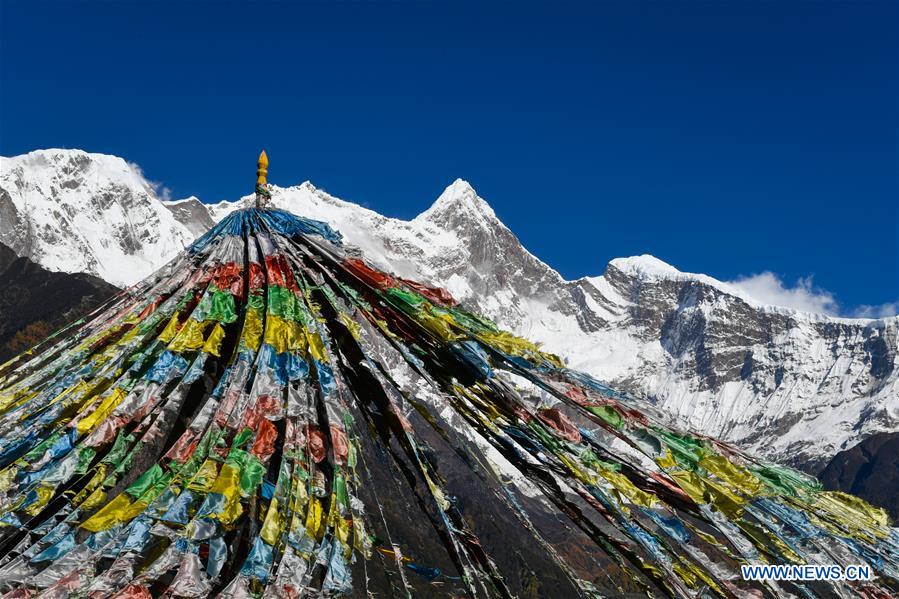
(793, 386)
(271, 416)
(869, 470)
(192, 213)
(71, 211)
(35, 302)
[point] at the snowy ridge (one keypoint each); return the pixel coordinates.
(76, 212)
(647, 267)
(791, 385)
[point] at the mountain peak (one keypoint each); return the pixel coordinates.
(460, 188)
(75, 211)
(50, 156)
(187, 200)
(645, 265)
(306, 185)
(71, 167)
(459, 197)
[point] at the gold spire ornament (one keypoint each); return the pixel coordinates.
(262, 169)
(263, 196)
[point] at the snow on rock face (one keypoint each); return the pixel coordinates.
(794, 386)
(71, 211)
(192, 213)
(789, 385)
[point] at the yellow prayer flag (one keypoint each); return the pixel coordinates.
(342, 530)
(205, 477)
(228, 484)
(170, 330)
(315, 525)
(690, 484)
(271, 527)
(190, 337)
(349, 323)
(736, 476)
(667, 460)
(44, 494)
(109, 515)
(6, 477)
(283, 335)
(252, 329)
(626, 488)
(316, 347)
(101, 412)
(213, 345)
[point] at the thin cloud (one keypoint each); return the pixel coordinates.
(162, 192)
(767, 288)
(881, 311)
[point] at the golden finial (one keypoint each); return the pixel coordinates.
(262, 192)
(262, 169)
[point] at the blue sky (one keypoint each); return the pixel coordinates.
(727, 138)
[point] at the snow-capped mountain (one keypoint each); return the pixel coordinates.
(793, 386)
(71, 211)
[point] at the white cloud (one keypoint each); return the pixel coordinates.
(882, 311)
(767, 288)
(162, 192)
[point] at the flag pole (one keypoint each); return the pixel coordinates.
(262, 193)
